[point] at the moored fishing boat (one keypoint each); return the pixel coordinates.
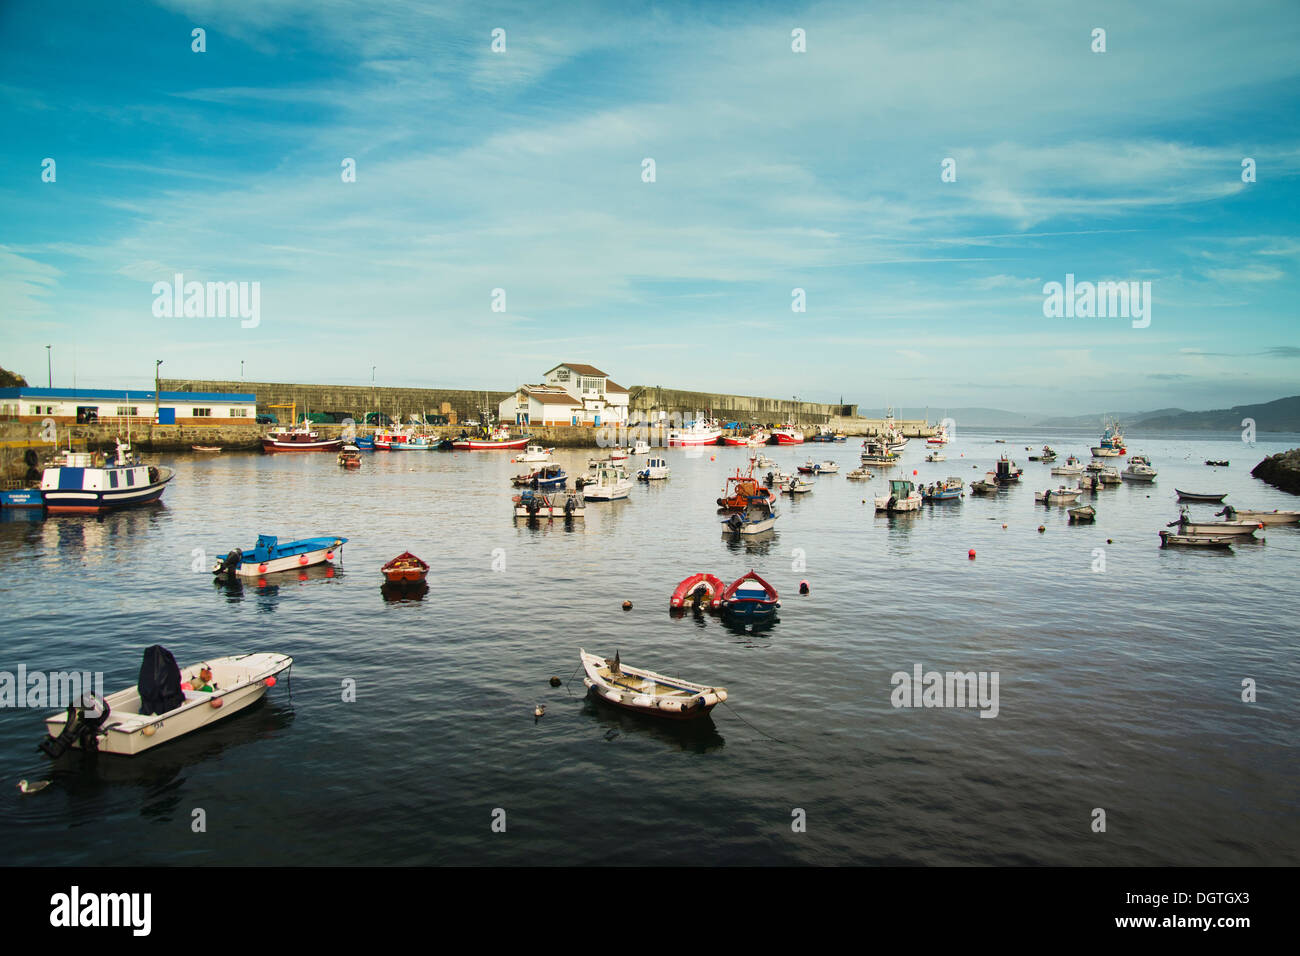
(739, 489)
(811, 467)
(349, 457)
(875, 452)
(1139, 469)
(498, 439)
(861, 473)
(700, 590)
(787, 436)
(1220, 463)
(1209, 497)
(936, 456)
(535, 453)
(21, 494)
(85, 483)
(298, 439)
(1263, 517)
(902, 496)
(950, 489)
(641, 447)
(269, 556)
(985, 486)
(757, 516)
(1070, 469)
(167, 702)
(1112, 442)
(1109, 475)
(405, 570)
(645, 692)
(797, 486)
(1221, 529)
(609, 483)
(940, 436)
(1046, 457)
(694, 434)
(750, 599)
(1006, 472)
(555, 504)
(545, 478)
(656, 469)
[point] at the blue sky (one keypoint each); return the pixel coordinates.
(774, 170)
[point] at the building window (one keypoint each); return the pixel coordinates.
(590, 384)
(200, 413)
(126, 411)
(239, 413)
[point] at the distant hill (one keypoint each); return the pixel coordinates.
(10, 379)
(964, 417)
(1282, 415)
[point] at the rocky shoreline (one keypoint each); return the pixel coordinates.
(1281, 470)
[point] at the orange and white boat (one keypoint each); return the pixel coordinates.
(405, 569)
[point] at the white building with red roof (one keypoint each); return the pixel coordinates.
(572, 393)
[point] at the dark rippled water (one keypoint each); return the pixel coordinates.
(1119, 689)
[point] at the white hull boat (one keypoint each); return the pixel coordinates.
(1263, 517)
(902, 497)
(236, 682)
(1139, 469)
(549, 504)
(697, 433)
(643, 691)
(535, 453)
(1070, 469)
(610, 483)
(656, 469)
(642, 447)
(758, 516)
(1058, 496)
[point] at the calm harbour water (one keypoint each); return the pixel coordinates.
(1118, 689)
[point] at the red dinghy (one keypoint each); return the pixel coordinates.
(703, 587)
(749, 598)
(405, 569)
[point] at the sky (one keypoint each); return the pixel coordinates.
(524, 170)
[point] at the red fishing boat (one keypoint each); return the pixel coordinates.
(706, 589)
(405, 569)
(739, 489)
(788, 436)
(299, 439)
(500, 438)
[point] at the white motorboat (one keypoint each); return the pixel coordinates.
(861, 473)
(1058, 496)
(1263, 517)
(84, 483)
(641, 447)
(131, 721)
(1109, 475)
(902, 496)
(610, 482)
(656, 469)
(762, 461)
(797, 486)
(269, 556)
(878, 453)
(646, 692)
(535, 453)
(811, 467)
(758, 515)
(1139, 469)
(935, 456)
(1071, 469)
(1220, 529)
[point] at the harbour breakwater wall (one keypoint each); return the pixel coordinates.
(1281, 470)
(355, 400)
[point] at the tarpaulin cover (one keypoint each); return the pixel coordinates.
(160, 681)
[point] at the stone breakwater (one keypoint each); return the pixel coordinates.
(1281, 470)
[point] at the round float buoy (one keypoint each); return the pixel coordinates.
(187, 686)
(214, 703)
(713, 458)
(329, 555)
(269, 682)
(971, 554)
(1110, 541)
(302, 559)
(913, 472)
(149, 730)
(803, 587)
(556, 682)
(261, 569)
(1004, 526)
(1041, 529)
(627, 605)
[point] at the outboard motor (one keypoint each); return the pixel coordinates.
(571, 505)
(228, 564)
(85, 718)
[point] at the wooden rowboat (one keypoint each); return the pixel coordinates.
(1195, 541)
(1083, 514)
(207, 448)
(1196, 496)
(405, 569)
(646, 692)
(1263, 517)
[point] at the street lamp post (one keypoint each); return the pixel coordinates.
(49, 366)
(157, 395)
(373, 401)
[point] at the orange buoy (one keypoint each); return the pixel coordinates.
(1004, 526)
(329, 555)
(627, 605)
(1041, 529)
(302, 559)
(269, 682)
(971, 554)
(214, 703)
(261, 569)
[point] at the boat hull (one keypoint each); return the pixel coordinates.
(482, 444)
(325, 444)
(73, 501)
(26, 498)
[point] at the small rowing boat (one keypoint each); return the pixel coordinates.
(646, 692)
(1263, 517)
(213, 449)
(1195, 541)
(1083, 514)
(1212, 498)
(749, 598)
(405, 570)
(269, 556)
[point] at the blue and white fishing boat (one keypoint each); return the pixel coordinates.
(86, 483)
(757, 516)
(269, 556)
(365, 443)
(950, 489)
(545, 478)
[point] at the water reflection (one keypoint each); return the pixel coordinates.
(697, 736)
(760, 543)
(403, 593)
(267, 587)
